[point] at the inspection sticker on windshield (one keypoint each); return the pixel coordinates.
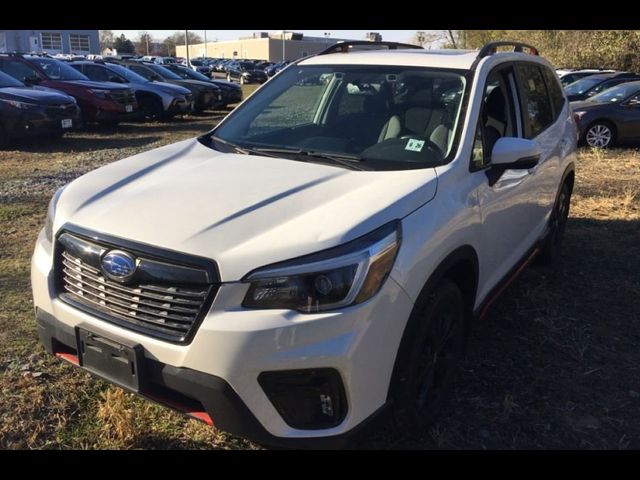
(414, 145)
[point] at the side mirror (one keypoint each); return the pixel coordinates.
(510, 153)
(633, 102)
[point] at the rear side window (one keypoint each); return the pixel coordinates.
(141, 71)
(555, 92)
(18, 70)
(96, 73)
(535, 100)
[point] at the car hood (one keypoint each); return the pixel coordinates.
(171, 88)
(32, 95)
(96, 85)
(243, 211)
(225, 84)
(587, 105)
(201, 83)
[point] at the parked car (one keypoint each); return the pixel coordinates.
(594, 84)
(316, 260)
(102, 102)
(245, 72)
(273, 69)
(574, 75)
(206, 95)
(231, 92)
(34, 111)
(201, 67)
(611, 117)
(157, 100)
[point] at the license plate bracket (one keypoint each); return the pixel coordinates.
(128, 108)
(114, 360)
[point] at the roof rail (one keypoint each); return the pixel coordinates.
(344, 47)
(492, 47)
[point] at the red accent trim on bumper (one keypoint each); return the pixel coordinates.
(187, 410)
(69, 357)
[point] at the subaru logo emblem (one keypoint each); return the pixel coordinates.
(118, 265)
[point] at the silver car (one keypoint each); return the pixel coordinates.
(157, 100)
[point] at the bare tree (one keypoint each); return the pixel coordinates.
(427, 38)
(106, 39)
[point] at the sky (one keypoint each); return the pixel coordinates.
(389, 35)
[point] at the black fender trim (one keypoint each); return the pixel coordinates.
(465, 253)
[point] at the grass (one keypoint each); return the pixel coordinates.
(554, 365)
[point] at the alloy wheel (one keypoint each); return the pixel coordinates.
(439, 356)
(599, 136)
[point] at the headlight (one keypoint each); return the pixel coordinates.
(51, 213)
(349, 274)
(100, 93)
(20, 105)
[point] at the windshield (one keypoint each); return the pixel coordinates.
(247, 66)
(187, 73)
(617, 94)
(382, 117)
(164, 72)
(126, 73)
(57, 70)
(8, 81)
(582, 85)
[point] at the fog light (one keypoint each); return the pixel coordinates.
(306, 399)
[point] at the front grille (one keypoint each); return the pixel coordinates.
(162, 299)
(62, 111)
(123, 96)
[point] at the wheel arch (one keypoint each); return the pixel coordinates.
(460, 266)
(605, 120)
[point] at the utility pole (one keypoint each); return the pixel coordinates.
(186, 44)
(283, 45)
(147, 37)
(205, 44)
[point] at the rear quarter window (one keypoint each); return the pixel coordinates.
(555, 91)
(538, 114)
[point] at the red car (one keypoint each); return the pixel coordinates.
(102, 102)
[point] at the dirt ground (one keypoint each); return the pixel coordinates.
(555, 364)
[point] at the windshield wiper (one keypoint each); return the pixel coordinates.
(345, 159)
(236, 148)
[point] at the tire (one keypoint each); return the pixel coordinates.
(427, 362)
(600, 134)
(4, 138)
(152, 108)
(551, 250)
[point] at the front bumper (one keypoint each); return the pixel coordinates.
(208, 99)
(38, 121)
(231, 96)
(219, 368)
(181, 105)
(116, 115)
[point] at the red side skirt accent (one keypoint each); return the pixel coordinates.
(508, 282)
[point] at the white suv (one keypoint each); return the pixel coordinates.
(318, 257)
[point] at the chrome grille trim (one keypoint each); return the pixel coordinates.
(170, 307)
